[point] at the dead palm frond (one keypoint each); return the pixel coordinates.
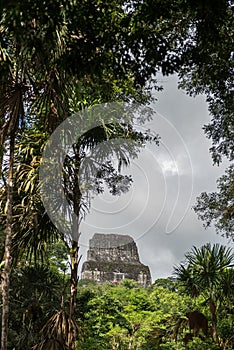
(59, 333)
(51, 344)
(12, 110)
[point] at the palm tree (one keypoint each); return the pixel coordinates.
(12, 113)
(17, 93)
(202, 273)
(34, 228)
(49, 92)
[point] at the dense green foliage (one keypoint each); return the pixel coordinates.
(218, 207)
(111, 317)
(208, 271)
(62, 52)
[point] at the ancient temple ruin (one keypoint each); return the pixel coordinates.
(114, 257)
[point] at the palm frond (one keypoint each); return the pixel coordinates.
(59, 332)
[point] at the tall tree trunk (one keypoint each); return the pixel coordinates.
(214, 320)
(74, 277)
(75, 240)
(7, 254)
(73, 293)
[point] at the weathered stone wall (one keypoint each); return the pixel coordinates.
(112, 247)
(113, 257)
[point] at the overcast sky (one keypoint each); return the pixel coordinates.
(156, 211)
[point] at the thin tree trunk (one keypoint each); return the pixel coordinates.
(73, 293)
(75, 241)
(7, 254)
(214, 320)
(74, 277)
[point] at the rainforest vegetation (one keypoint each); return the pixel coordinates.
(173, 313)
(60, 57)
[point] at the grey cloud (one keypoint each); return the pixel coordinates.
(144, 212)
